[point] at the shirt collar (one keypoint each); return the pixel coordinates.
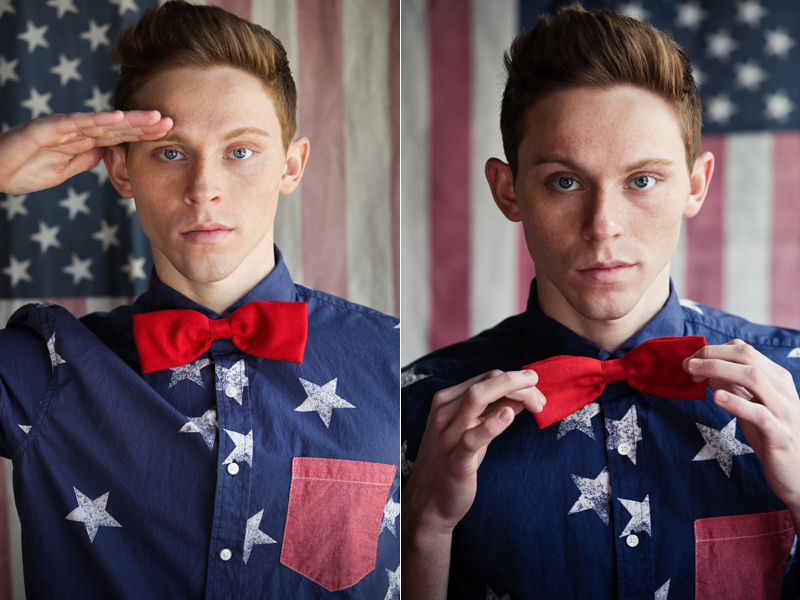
(278, 285)
(549, 338)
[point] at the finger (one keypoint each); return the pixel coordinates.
(482, 393)
(753, 379)
(84, 162)
(476, 438)
(739, 352)
(756, 414)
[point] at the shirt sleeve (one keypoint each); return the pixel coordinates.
(25, 375)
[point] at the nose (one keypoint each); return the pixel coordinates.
(603, 215)
(203, 184)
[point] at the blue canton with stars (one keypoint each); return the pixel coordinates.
(179, 483)
(79, 238)
(604, 503)
(745, 55)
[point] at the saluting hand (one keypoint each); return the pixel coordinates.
(45, 152)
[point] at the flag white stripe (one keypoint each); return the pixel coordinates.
(14, 537)
(414, 179)
(748, 226)
(105, 304)
(493, 282)
(368, 153)
(280, 18)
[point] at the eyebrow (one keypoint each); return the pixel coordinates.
(647, 162)
(235, 133)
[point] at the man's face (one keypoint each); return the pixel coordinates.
(601, 188)
(206, 194)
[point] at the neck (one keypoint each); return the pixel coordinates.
(219, 294)
(608, 334)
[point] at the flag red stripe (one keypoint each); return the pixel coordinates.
(526, 271)
(75, 305)
(242, 8)
(450, 85)
(705, 235)
(394, 108)
(321, 114)
(785, 305)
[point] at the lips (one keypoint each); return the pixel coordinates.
(207, 233)
(606, 272)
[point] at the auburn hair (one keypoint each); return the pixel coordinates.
(178, 34)
(596, 48)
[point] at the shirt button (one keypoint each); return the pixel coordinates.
(233, 468)
(632, 541)
(225, 554)
(230, 391)
(624, 448)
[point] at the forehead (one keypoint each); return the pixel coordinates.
(209, 99)
(602, 127)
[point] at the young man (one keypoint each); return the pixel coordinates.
(603, 474)
(231, 434)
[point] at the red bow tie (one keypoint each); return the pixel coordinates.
(655, 367)
(171, 338)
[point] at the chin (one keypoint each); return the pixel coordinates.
(205, 270)
(606, 306)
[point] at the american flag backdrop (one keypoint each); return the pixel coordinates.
(465, 268)
(80, 244)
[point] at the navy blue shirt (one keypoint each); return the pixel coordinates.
(231, 477)
(619, 499)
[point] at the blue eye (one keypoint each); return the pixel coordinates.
(241, 153)
(565, 183)
(644, 182)
(170, 155)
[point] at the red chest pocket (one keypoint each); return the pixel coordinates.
(334, 518)
(742, 556)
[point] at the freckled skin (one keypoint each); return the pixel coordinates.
(207, 183)
(600, 134)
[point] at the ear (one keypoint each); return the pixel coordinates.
(296, 158)
(114, 157)
(698, 184)
(501, 182)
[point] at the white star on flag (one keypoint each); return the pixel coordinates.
(393, 593)
(243, 450)
(640, 516)
(662, 593)
(99, 100)
(206, 426)
(75, 203)
(102, 173)
(107, 235)
(634, 10)
(721, 45)
(17, 270)
(38, 104)
(129, 204)
(63, 6)
(190, 372)
(6, 7)
(690, 15)
(46, 237)
(235, 378)
(35, 37)
(92, 513)
(134, 268)
(7, 72)
(595, 494)
(778, 106)
(67, 69)
(750, 13)
(722, 446)
(322, 400)
(124, 5)
(720, 108)
(390, 512)
(79, 269)
(778, 43)
(626, 431)
(750, 75)
(253, 536)
(96, 35)
(14, 205)
(55, 357)
(580, 420)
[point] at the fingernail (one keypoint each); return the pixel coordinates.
(530, 374)
(722, 397)
(695, 364)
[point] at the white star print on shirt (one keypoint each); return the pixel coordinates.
(206, 426)
(595, 494)
(234, 378)
(409, 376)
(390, 512)
(55, 357)
(253, 536)
(579, 421)
(662, 593)
(25, 428)
(722, 446)
(626, 430)
(190, 372)
(640, 516)
(322, 400)
(393, 593)
(243, 450)
(492, 595)
(405, 464)
(92, 513)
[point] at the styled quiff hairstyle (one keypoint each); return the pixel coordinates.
(179, 34)
(596, 48)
